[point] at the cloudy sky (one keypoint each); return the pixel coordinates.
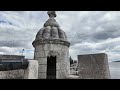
(88, 31)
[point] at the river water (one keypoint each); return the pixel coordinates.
(114, 70)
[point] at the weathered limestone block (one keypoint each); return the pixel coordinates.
(42, 76)
(41, 54)
(39, 48)
(32, 71)
(12, 74)
(42, 68)
(93, 66)
(42, 61)
(62, 74)
(61, 66)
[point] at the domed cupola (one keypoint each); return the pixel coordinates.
(51, 32)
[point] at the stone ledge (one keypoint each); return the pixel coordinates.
(51, 41)
(72, 77)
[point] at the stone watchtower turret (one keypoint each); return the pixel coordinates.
(52, 50)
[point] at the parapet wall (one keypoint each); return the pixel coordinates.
(30, 73)
(13, 74)
(93, 66)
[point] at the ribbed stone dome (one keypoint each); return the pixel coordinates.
(51, 30)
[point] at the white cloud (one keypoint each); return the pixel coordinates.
(87, 31)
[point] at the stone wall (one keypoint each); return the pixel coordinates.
(93, 66)
(30, 73)
(58, 50)
(13, 74)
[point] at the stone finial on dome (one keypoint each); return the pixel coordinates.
(51, 21)
(51, 14)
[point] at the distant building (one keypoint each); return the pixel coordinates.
(11, 57)
(73, 67)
